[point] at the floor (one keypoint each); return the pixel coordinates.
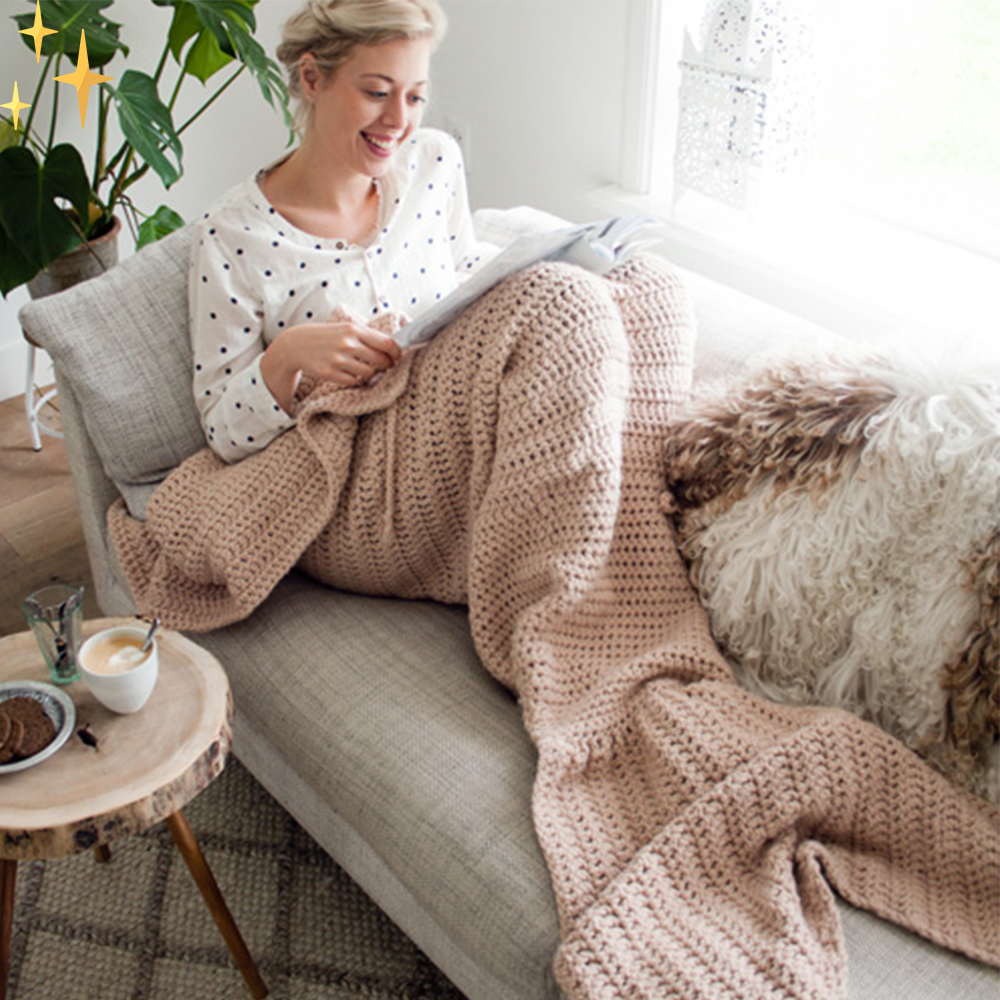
(41, 540)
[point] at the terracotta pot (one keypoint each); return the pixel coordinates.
(82, 263)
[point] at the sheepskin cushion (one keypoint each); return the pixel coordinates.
(840, 519)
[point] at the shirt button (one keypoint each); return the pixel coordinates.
(341, 245)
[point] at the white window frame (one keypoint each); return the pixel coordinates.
(901, 303)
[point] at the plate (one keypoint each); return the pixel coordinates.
(56, 704)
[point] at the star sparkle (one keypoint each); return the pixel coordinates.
(38, 32)
(83, 79)
(15, 105)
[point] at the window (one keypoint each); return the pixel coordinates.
(840, 158)
(911, 130)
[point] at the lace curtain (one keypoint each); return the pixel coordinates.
(747, 99)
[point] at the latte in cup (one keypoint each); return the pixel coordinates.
(116, 671)
(115, 653)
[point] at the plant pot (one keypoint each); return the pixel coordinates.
(86, 261)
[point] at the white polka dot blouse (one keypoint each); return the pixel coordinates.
(253, 274)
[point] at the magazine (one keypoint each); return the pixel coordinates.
(596, 246)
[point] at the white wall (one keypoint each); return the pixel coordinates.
(541, 85)
(539, 82)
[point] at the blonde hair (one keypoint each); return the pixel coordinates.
(332, 29)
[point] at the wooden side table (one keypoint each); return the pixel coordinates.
(143, 769)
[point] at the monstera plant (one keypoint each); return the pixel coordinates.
(50, 202)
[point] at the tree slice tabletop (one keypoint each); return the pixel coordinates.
(116, 775)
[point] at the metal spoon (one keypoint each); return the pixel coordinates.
(149, 635)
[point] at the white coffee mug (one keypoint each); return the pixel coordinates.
(116, 673)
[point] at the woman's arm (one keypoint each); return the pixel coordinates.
(239, 414)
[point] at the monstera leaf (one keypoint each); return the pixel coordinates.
(222, 31)
(213, 26)
(69, 18)
(147, 124)
(36, 227)
(161, 223)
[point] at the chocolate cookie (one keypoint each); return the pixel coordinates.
(39, 729)
(11, 746)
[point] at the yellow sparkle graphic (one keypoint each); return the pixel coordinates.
(82, 79)
(15, 105)
(38, 32)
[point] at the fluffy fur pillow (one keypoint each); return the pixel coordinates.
(842, 524)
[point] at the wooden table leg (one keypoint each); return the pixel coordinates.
(8, 876)
(180, 830)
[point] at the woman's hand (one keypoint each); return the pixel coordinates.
(345, 353)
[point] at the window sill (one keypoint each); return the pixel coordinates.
(846, 272)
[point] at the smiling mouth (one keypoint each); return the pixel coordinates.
(381, 146)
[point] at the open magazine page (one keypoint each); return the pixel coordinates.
(597, 246)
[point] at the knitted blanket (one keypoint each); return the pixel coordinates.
(694, 832)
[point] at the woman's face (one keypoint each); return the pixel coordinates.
(369, 105)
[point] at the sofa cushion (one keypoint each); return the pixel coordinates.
(133, 320)
(886, 962)
(385, 712)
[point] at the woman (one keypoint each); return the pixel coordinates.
(367, 214)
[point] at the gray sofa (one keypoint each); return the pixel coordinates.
(371, 720)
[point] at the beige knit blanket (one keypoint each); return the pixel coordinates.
(695, 834)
